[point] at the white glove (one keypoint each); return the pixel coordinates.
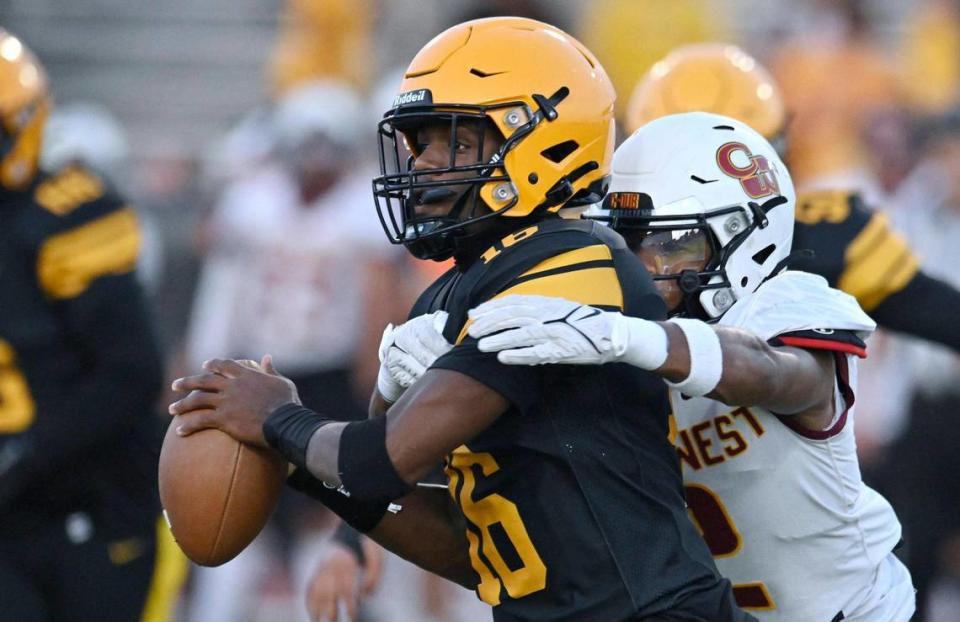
(540, 330)
(408, 350)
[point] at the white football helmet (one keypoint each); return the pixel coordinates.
(703, 183)
(328, 107)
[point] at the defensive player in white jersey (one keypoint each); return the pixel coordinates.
(762, 364)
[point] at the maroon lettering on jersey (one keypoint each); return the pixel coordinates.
(757, 178)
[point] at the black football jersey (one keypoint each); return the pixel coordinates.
(573, 498)
(79, 366)
(853, 247)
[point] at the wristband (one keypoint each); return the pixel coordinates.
(639, 342)
(361, 515)
(289, 429)
(349, 538)
(706, 358)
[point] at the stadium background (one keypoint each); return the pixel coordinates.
(166, 97)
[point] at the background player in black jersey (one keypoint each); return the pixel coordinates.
(550, 515)
(80, 534)
(853, 246)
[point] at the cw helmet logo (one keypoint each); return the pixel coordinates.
(757, 178)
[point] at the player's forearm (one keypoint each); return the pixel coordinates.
(323, 453)
(422, 526)
(380, 459)
(429, 531)
(324, 448)
(753, 372)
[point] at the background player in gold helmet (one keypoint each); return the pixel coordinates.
(24, 106)
(853, 245)
(550, 515)
(80, 534)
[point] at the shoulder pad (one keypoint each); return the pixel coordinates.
(85, 232)
(797, 301)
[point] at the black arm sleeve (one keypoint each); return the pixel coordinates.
(927, 308)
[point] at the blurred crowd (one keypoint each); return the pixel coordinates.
(267, 241)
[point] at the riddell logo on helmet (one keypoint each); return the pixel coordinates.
(420, 96)
(757, 178)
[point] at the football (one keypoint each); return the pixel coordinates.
(217, 493)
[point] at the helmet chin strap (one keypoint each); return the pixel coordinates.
(417, 227)
(424, 244)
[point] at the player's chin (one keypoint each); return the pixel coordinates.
(670, 293)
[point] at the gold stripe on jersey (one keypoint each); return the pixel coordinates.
(17, 408)
(67, 191)
(590, 286)
(169, 573)
(878, 263)
(68, 262)
(568, 276)
(597, 252)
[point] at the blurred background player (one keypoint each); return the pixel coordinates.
(87, 134)
(80, 534)
(275, 280)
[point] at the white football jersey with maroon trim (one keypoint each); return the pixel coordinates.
(784, 509)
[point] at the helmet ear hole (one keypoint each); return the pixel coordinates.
(761, 256)
(744, 281)
(559, 152)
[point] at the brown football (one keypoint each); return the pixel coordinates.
(217, 493)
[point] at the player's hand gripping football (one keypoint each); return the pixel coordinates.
(235, 397)
(538, 330)
(408, 350)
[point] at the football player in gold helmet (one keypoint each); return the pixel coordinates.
(550, 514)
(24, 106)
(709, 77)
(853, 246)
(79, 374)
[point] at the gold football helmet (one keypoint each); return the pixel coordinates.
(546, 95)
(24, 106)
(709, 77)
